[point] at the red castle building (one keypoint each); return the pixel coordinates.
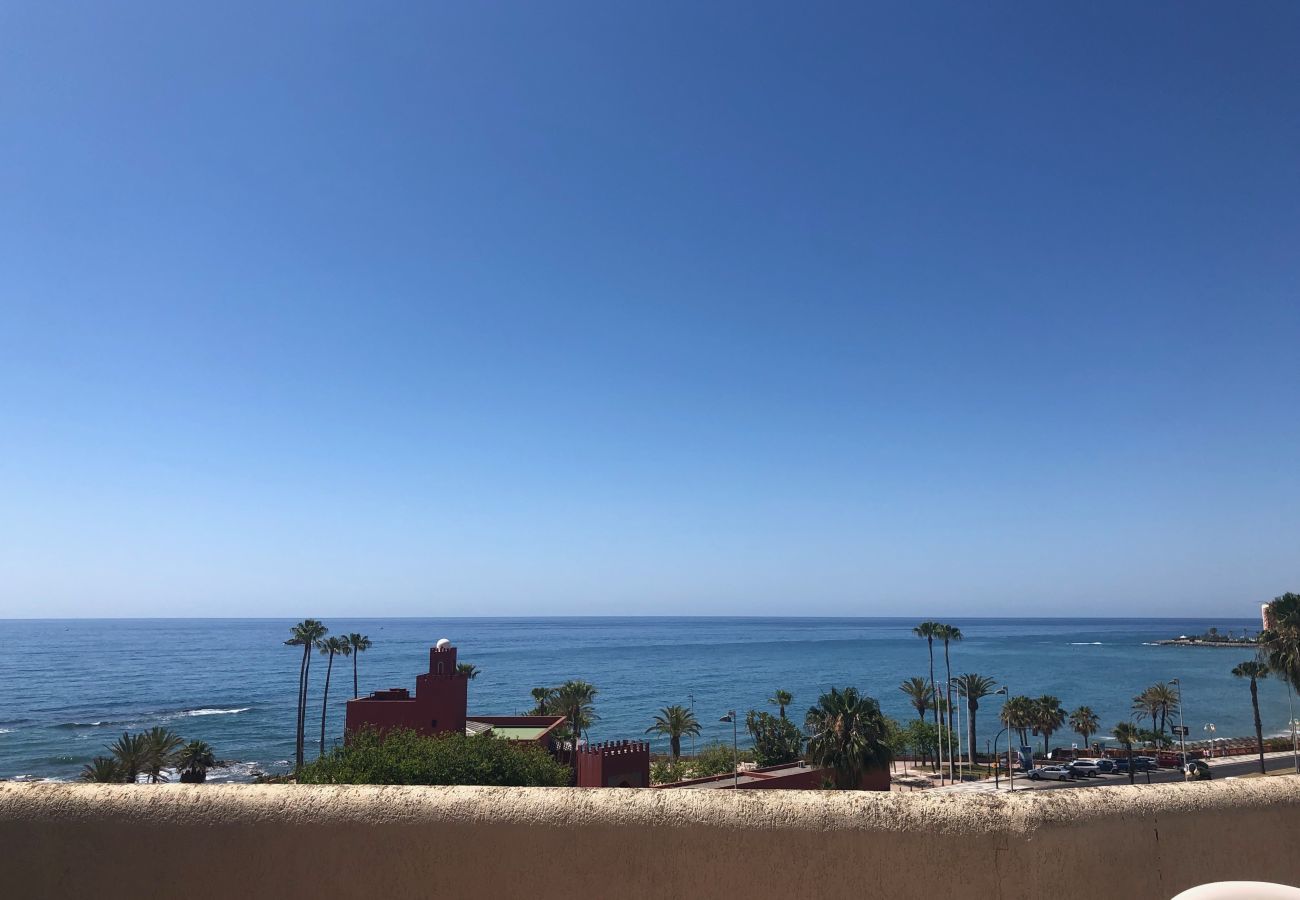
(440, 706)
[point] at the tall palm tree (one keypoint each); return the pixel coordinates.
(102, 770)
(849, 736)
(1085, 723)
(1147, 704)
(1280, 642)
(132, 754)
(930, 630)
(1254, 671)
(161, 745)
(305, 634)
(330, 646)
(974, 688)
(949, 634)
(677, 722)
(1127, 735)
(1018, 715)
(194, 760)
(1048, 717)
(1165, 698)
(358, 644)
(469, 670)
(576, 701)
(919, 694)
(542, 700)
(781, 699)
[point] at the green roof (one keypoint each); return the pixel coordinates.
(513, 733)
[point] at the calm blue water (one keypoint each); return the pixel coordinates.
(68, 687)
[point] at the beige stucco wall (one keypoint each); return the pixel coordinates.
(318, 842)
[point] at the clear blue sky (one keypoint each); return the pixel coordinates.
(548, 308)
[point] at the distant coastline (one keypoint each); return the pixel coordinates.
(1200, 642)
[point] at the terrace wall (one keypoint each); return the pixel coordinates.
(290, 841)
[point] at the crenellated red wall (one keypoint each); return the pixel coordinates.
(614, 764)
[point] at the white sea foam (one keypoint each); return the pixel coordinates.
(217, 712)
(1085, 643)
(6, 731)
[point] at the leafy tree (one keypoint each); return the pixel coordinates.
(717, 759)
(676, 722)
(1126, 734)
(305, 634)
(161, 745)
(849, 736)
(357, 644)
(131, 751)
(1084, 722)
(922, 738)
(330, 646)
(1254, 671)
(667, 771)
(1048, 717)
(919, 694)
(194, 760)
(777, 740)
(469, 670)
(1146, 704)
(974, 688)
(781, 699)
(102, 770)
(401, 756)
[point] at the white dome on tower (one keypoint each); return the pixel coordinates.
(442, 644)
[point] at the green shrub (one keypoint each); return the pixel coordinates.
(407, 757)
(666, 771)
(716, 759)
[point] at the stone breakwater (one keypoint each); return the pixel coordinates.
(402, 842)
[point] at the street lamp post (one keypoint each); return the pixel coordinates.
(960, 773)
(1182, 732)
(735, 754)
(996, 768)
(1209, 727)
(1011, 770)
(1295, 752)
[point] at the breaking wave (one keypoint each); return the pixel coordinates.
(216, 712)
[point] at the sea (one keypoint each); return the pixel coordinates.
(68, 688)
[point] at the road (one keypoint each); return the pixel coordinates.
(1231, 767)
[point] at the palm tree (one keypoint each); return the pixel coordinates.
(162, 744)
(576, 701)
(919, 694)
(974, 688)
(131, 751)
(1085, 723)
(358, 644)
(850, 736)
(781, 699)
(949, 633)
(930, 630)
(102, 770)
(1166, 700)
(305, 634)
(543, 697)
(1254, 671)
(1018, 715)
(194, 760)
(469, 670)
(1048, 717)
(677, 722)
(329, 647)
(1127, 735)
(1280, 642)
(1147, 704)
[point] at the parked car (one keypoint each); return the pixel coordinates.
(1140, 764)
(1085, 768)
(1197, 770)
(1051, 773)
(1106, 766)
